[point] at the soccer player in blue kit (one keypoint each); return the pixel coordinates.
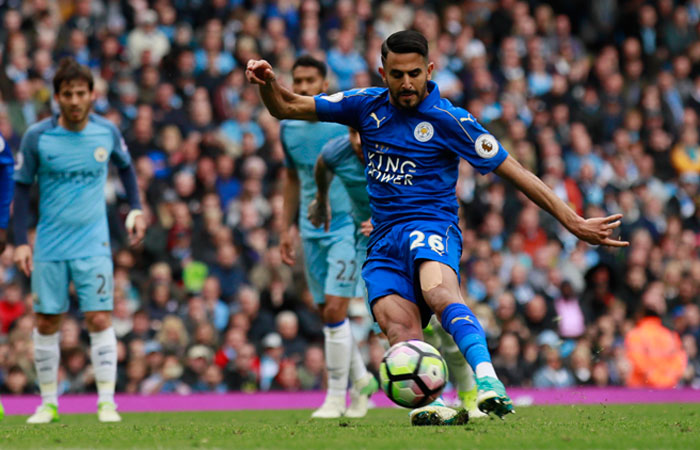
(331, 269)
(6, 188)
(412, 140)
(342, 157)
(68, 155)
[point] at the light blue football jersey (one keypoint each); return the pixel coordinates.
(340, 158)
(71, 170)
(412, 157)
(302, 142)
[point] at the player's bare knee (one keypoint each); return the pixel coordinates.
(403, 331)
(401, 327)
(98, 320)
(48, 323)
(335, 309)
(438, 298)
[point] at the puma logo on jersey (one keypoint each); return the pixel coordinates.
(379, 121)
(466, 119)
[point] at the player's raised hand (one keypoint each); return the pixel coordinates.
(23, 259)
(288, 246)
(320, 213)
(366, 227)
(598, 231)
(135, 227)
(259, 72)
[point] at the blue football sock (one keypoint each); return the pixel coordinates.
(462, 324)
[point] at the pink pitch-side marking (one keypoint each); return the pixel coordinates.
(71, 404)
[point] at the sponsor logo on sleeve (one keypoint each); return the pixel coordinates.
(486, 146)
(335, 98)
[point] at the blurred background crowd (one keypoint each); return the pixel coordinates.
(600, 98)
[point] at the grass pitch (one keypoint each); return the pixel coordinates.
(599, 426)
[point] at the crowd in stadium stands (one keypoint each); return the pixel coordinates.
(599, 98)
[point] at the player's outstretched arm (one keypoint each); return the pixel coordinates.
(280, 101)
(596, 231)
(319, 209)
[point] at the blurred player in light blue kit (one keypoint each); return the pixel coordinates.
(331, 269)
(68, 156)
(343, 158)
(6, 189)
(412, 140)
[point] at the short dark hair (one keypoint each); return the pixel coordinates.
(310, 61)
(70, 70)
(406, 41)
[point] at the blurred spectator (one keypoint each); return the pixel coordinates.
(344, 60)
(11, 306)
(211, 381)
(243, 376)
(147, 44)
(270, 360)
(553, 374)
(228, 271)
(16, 382)
(167, 379)
(312, 372)
(656, 354)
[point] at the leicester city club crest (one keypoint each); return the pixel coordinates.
(423, 132)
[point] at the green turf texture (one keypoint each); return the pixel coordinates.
(598, 426)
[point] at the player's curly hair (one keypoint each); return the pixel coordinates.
(70, 70)
(406, 41)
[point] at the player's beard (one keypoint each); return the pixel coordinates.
(411, 102)
(75, 116)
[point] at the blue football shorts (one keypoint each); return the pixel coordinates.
(92, 277)
(393, 261)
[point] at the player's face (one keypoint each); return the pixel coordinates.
(308, 81)
(356, 143)
(75, 100)
(406, 75)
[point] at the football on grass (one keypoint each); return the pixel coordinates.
(413, 373)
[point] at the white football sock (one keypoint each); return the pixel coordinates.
(485, 369)
(358, 369)
(457, 365)
(46, 359)
(338, 348)
(103, 351)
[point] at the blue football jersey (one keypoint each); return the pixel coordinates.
(302, 142)
(71, 170)
(412, 157)
(340, 158)
(6, 184)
